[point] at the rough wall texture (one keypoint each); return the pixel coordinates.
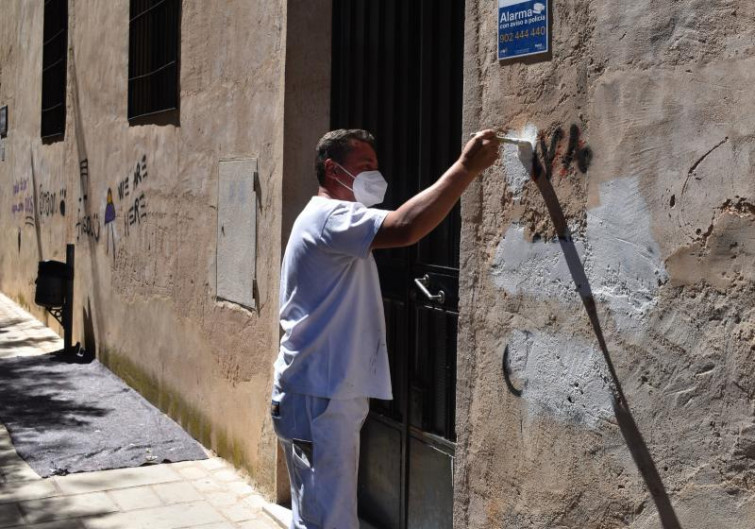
(647, 132)
(145, 282)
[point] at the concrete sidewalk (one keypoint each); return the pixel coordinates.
(208, 494)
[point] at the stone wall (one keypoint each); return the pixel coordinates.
(645, 153)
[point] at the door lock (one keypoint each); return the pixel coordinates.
(422, 284)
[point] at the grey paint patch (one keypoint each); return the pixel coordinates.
(560, 376)
(621, 259)
(237, 232)
(537, 268)
(624, 263)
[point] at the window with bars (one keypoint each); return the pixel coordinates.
(54, 64)
(154, 32)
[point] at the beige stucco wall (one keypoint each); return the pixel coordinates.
(145, 293)
(663, 219)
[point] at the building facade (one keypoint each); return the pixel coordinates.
(573, 347)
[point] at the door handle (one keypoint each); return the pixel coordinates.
(422, 283)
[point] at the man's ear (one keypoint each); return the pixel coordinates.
(330, 168)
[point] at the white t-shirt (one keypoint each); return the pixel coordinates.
(331, 309)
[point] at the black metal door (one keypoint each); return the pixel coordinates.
(397, 71)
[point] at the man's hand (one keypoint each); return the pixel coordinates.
(480, 152)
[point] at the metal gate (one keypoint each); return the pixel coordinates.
(397, 71)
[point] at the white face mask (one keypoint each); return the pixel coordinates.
(369, 186)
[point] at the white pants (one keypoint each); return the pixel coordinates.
(320, 439)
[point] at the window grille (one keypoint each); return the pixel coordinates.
(54, 64)
(154, 28)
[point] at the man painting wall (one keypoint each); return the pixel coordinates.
(333, 355)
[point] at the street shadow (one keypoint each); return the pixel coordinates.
(27, 342)
(92, 318)
(35, 220)
(627, 425)
(90, 340)
(36, 394)
(10, 322)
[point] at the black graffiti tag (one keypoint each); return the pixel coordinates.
(88, 225)
(546, 153)
(137, 211)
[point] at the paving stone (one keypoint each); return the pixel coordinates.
(207, 485)
(190, 470)
(13, 468)
(214, 463)
(241, 488)
(61, 508)
(179, 492)
(240, 512)
(116, 479)
(262, 522)
(5, 440)
(279, 514)
(135, 498)
(30, 490)
(221, 498)
(10, 515)
(255, 501)
(170, 517)
(226, 475)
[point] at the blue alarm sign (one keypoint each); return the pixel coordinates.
(522, 28)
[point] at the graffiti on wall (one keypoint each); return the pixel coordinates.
(134, 200)
(570, 152)
(87, 224)
(110, 221)
(127, 196)
(23, 202)
(52, 202)
(129, 191)
(137, 211)
(20, 186)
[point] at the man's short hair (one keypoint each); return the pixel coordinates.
(336, 144)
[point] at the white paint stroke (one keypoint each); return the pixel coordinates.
(622, 261)
(517, 161)
(625, 266)
(535, 268)
(560, 376)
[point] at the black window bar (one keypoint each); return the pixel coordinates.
(54, 64)
(154, 27)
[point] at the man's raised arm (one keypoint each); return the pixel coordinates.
(419, 215)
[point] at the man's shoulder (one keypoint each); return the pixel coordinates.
(322, 208)
(318, 205)
(314, 216)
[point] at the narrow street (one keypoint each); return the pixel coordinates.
(207, 494)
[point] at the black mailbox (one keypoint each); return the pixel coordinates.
(51, 284)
